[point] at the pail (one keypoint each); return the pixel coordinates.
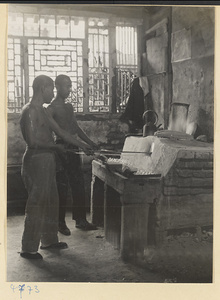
(150, 118)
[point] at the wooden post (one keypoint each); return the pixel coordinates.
(85, 71)
(112, 65)
(112, 216)
(97, 201)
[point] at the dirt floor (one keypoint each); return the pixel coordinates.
(184, 257)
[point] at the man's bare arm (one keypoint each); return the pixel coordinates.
(82, 134)
(67, 137)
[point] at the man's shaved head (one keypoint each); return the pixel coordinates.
(60, 78)
(41, 81)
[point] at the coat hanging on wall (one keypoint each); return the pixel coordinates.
(136, 104)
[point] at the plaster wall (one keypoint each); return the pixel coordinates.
(188, 60)
(157, 64)
(192, 49)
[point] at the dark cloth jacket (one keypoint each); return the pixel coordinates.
(135, 106)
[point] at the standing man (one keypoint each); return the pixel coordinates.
(71, 172)
(39, 171)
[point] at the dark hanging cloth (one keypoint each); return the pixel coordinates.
(135, 107)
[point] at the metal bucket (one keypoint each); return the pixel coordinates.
(150, 118)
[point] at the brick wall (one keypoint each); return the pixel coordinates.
(187, 193)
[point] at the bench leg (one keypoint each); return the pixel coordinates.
(134, 230)
(97, 201)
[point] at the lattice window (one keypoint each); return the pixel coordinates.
(124, 79)
(16, 24)
(98, 65)
(53, 57)
(126, 46)
(126, 51)
(35, 25)
(15, 76)
(45, 55)
(55, 44)
(31, 25)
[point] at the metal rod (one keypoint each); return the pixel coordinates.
(106, 152)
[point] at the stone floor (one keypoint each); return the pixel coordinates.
(89, 258)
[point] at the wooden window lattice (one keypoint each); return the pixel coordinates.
(126, 70)
(98, 66)
(53, 57)
(124, 80)
(15, 76)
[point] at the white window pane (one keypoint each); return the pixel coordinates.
(47, 26)
(77, 28)
(15, 24)
(31, 25)
(63, 27)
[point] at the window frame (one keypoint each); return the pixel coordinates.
(112, 50)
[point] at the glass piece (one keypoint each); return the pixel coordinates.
(11, 86)
(37, 65)
(15, 24)
(41, 42)
(31, 60)
(80, 71)
(77, 28)
(30, 49)
(17, 59)
(37, 55)
(47, 26)
(80, 61)
(31, 71)
(63, 27)
(98, 22)
(31, 25)
(17, 71)
(43, 60)
(11, 54)
(17, 48)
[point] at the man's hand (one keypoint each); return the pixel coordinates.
(94, 146)
(87, 149)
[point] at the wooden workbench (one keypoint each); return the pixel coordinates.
(122, 205)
